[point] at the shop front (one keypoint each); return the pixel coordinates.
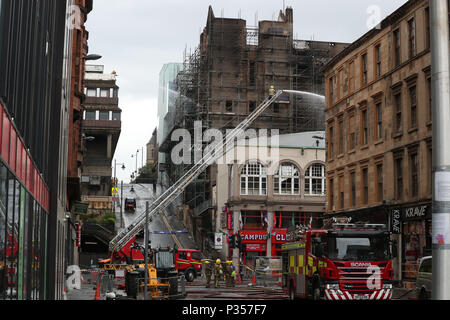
(255, 242)
(413, 223)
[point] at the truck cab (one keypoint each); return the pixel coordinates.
(346, 262)
(188, 262)
(130, 205)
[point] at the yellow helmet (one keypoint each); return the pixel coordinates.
(218, 261)
(229, 262)
(206, 261)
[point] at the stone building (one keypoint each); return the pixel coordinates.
(379, 131)
(101, 127)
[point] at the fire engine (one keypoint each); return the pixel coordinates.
(344, 262)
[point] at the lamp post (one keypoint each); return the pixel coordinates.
(123, 168)
(115, 182)
(135, 173)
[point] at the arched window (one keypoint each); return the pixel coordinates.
(315, 180)
(287, 180)
(254, 179)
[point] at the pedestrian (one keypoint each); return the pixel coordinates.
(217, 273)
(208, 273)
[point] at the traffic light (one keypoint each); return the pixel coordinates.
(238, 242)
(232, 242)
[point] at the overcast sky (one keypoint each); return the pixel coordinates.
(137, 37)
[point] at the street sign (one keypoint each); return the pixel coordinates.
(80, 207)
(218, 241)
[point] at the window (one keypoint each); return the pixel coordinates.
(353, 188)
(351, 78)
(331, 142)
(412, 37)
(364, 69)
(229, 106)
(104, 93)
(398, 111)
(91, 92)
(104, 115)
(364, 127)
(254, 179)
(378, 121)
(315, 180)
(351, 130)
(379, 182)
(414, 169)
(397, 51)
(331, 91)
(340, 85)
(398, 178)
(341, 135)
(413, 106)
(378, 61)
(252, 106)
(90, 115)
(252, 74)
(116, 115)
(276, 108)
(341, 192)
(287, 180)
(365, 186)
(331, 195)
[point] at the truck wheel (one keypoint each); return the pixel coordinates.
(291, 292)
(189, 275)
(423, 295)
(316, 291)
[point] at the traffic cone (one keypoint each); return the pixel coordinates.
(254, 279)
(239, 278)
(97, 291)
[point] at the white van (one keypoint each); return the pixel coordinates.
(424, 278)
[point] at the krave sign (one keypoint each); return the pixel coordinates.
(415, 213)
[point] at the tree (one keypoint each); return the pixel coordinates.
(147, 174)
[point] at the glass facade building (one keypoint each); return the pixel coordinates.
(23, 219)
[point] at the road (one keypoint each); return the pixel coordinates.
(166, 223)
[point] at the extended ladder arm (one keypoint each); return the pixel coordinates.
(176, 189)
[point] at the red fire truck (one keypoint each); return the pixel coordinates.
(186, 261)
(344, 262)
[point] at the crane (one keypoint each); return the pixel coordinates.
(125, 236)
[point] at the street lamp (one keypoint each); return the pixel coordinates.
(115, 165)
(92, 57)
(136, 172)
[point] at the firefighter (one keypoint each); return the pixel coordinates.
(271, 91)
(208, 273)
(217, 273)
(233, 275)
(228, 274)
